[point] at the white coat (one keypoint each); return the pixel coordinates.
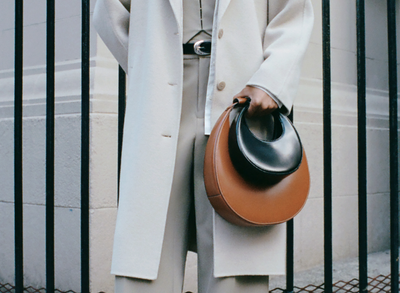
(255, 42)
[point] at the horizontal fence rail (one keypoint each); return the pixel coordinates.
(365, 283)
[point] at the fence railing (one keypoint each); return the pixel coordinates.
(327, 142)
(18, 207)
(327, 137)
(362, 146)
(394, 155)
(50, 133)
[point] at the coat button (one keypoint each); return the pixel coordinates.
(220, 33)
(221, 85)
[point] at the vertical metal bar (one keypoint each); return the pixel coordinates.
(18, 178)
(326, 44)
(290, 245)
(290, 257)
(393, 120)
(50, 64)
(85, 146)
(121, 115)
(362, 148)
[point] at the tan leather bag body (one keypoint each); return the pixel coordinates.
(248, 204)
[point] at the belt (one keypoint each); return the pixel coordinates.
(201, 48)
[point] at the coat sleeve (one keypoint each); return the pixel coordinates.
(111, 20)
(285, 41)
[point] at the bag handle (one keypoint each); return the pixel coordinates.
(242, 101)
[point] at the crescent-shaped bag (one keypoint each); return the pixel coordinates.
(243, 200)
(262, 160)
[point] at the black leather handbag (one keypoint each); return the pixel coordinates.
(261, 160)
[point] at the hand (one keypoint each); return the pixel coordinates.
(261, 103)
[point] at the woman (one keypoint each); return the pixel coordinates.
(186, 60)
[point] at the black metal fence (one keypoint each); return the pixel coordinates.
(328, 286)
(50, 118)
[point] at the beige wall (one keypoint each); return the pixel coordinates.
(308, 119)
(103, 186)
(103, 140)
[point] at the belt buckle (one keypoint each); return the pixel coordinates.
(197, 47)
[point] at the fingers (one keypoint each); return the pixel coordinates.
(260, 106)
(261, 103)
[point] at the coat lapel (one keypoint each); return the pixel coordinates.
(177, 9)
(222, 6)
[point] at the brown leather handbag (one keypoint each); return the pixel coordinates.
(238, 199)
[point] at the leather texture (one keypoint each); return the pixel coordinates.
(263, 161)
(242, 202)
(189, 48)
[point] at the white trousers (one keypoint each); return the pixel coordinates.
(189, 218)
